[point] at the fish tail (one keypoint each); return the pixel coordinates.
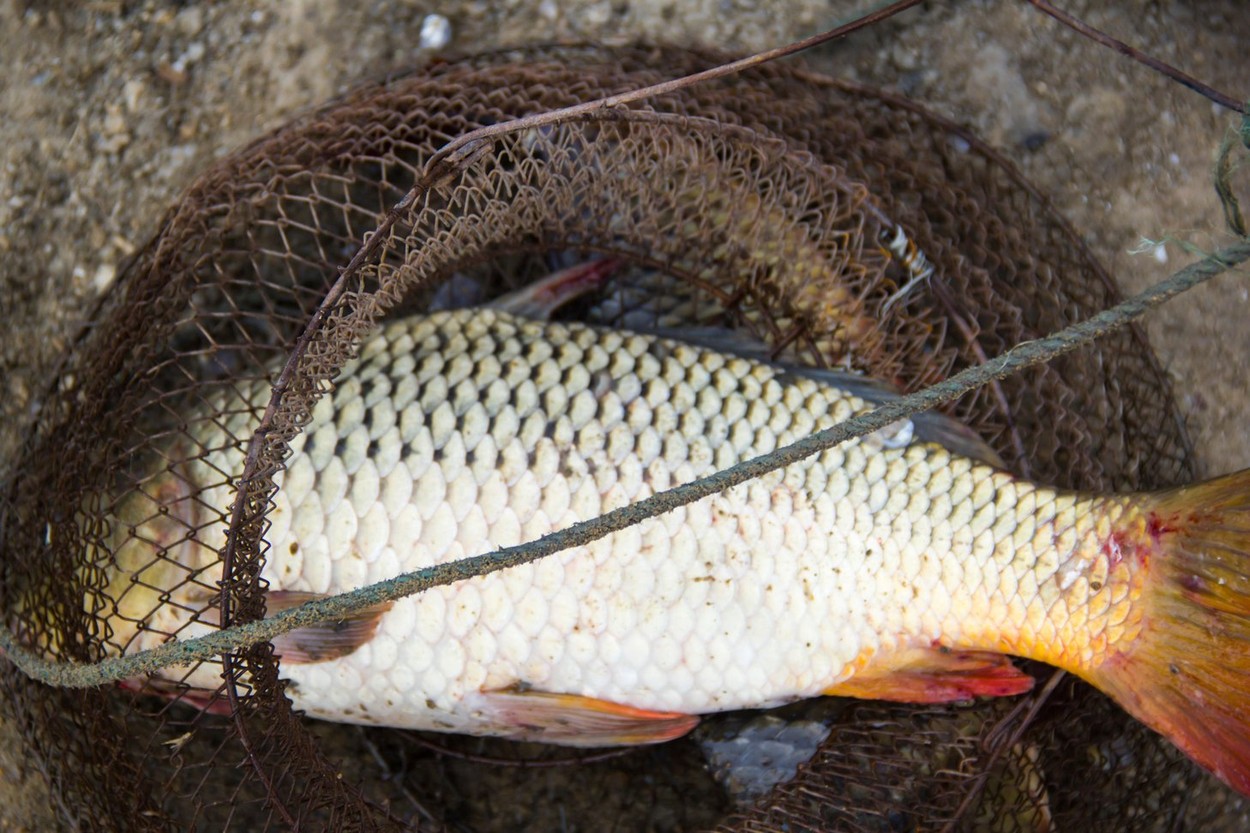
(1187, 674)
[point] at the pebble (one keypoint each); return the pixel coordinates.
(190, 21)
(1012, 113)
(132, 91)
(114, 121)
(905, 56)
(435, 32)
(170, 73)
(103, 278)
(597, 15)
(114, 133)
(122, 245)
(19, 395)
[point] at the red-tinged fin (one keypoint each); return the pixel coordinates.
(934, 675)
(324, 641)
(574, 720)
(1187, 675)
(540, 299)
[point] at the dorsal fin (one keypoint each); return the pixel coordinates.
(540, 300)
(930, 426)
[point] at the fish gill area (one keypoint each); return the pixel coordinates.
(112, 109)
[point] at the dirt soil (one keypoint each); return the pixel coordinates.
(111, 107)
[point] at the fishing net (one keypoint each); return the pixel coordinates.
(769, 203)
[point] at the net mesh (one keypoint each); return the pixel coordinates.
(768, 199)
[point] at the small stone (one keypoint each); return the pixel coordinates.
(993, 75)
(172, 74)
(132, 91)
(195, 51)
(114, 135)
(905, 56)
(190, 21)
(114, 121)
(597, 15)
(19, 392)
(115, 144)
(103, 278)
(435, 32)
(122, 245)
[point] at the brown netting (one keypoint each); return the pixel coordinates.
(769, 198)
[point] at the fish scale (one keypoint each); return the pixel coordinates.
(465, 431)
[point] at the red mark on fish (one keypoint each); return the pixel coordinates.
(1158, 527)
(1113, 549)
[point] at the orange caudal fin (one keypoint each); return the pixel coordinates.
(1187, 674)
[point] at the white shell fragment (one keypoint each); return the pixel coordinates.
(435, 32)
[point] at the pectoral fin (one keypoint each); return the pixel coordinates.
(935, 675)
(574, 720)
(326, 640)
(929, 426)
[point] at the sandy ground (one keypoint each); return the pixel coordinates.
(111, 107)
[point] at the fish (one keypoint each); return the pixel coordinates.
(905, 565)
